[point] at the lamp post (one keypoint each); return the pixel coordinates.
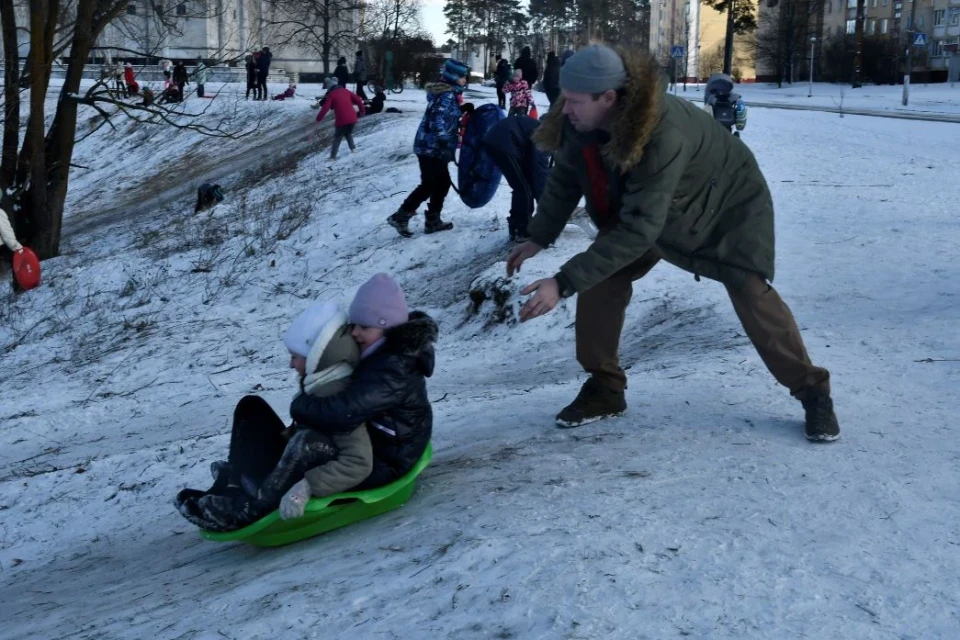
(813, 43)
(911, 33)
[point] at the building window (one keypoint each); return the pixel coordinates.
(883, 26)
(851, 4)
(132, 9)
(938, 50)
(939, 17)
(182, 9)
(896, 15)
(851, 26)
(909, 23)
(874, 4)
(954, 17)
(920, 22)
(829, 7)
(871, 27)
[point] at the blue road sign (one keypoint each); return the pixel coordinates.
(920, 39)
(676, 52)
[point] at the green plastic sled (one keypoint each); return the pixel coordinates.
(321, 515)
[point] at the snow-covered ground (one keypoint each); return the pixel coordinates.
(925, 99)
(702, 513)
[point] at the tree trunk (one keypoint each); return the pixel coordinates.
(728, 43)
(858, 56)
(11, 101)
(326, 45)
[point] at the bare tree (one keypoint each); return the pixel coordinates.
(321, 26)
(783, 36)
(391, 19)
(34, 179)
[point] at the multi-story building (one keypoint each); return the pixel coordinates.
(944, 34)
(787, 34)
(667, 26)
(702, 30)
(219, 30)
(898, 22)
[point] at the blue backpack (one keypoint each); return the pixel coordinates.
(478, 176)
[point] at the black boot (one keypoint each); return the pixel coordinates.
(400, 220)
(821, 421)
(594, 402)
(434, 224)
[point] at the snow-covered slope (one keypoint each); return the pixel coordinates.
(702, 513)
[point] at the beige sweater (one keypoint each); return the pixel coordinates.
(354, 460)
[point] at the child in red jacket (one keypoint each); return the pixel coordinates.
(342, 101)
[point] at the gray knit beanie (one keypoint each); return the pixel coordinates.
(594, 69)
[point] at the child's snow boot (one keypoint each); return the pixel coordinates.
(400, 221)
(434, 224)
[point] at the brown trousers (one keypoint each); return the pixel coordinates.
(766, 320)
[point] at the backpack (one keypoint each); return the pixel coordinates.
(478, 176)
(208, 195)
(724, 111)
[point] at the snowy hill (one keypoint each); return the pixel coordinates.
(702, 513)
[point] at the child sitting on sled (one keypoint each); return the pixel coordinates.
(350, 431)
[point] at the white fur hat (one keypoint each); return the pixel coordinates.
(308, 327)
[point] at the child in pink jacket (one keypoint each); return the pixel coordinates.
(520, 95)
(342, 101)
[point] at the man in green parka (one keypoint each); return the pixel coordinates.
(662, 181)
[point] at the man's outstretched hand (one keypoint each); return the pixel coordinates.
(544, 300)
(520, 254)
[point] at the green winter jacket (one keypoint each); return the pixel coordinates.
(677, 181)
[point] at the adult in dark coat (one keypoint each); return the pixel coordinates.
(502, 76)
(551, 77)
(252, 78)
(531, 73)
(360, 74)
(263, 70)
(180, 76)
(510, 145)
(341, 73)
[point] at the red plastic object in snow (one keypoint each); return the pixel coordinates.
(26, 268)
(533, 112)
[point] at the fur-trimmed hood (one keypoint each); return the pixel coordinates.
(436, 88)
(414, 339)
(639, 114)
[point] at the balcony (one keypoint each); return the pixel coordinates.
(939, 32)
(953, 30)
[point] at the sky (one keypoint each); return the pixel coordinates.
(434, 22)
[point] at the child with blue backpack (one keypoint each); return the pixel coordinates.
(435, 146)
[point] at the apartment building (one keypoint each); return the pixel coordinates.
(209, 29)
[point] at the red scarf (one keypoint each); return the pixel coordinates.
(599, 183)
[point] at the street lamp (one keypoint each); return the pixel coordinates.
(813, 42)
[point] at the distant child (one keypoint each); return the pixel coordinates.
(290, 92)
(435, 145)
(342, 101)
(520, 95)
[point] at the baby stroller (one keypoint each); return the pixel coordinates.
(727, 107)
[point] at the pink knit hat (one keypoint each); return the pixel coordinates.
(379, 303)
